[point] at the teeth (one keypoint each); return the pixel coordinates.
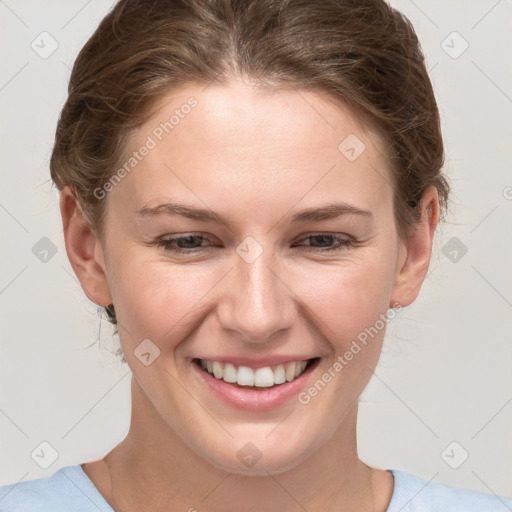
(262, 377)
(229, 373)
(245, 376)
(217, 370)
(280, 374)
(290, 372)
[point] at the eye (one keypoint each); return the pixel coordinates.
(189, 244)
(327, 239)
(182, 244)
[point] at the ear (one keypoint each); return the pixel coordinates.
(84, 250)
(414, 258)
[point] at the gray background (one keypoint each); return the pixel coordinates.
(445, 374)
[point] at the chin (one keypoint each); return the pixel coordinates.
(255, 459)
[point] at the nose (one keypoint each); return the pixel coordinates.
(257, 302)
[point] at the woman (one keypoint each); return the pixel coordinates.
(246, 187)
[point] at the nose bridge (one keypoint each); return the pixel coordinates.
(257, 303)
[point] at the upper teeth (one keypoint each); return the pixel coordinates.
(261, 377)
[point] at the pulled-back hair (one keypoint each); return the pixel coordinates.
(360, 52)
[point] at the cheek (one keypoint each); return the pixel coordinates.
(347, 301)
(157, 299)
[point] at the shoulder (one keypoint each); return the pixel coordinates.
(66, 489)
(414, 494)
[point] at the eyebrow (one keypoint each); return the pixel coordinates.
(325, 212)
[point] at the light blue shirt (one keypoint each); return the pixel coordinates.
(69, 489)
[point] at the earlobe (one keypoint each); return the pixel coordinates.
(414, 259)
(84, 250)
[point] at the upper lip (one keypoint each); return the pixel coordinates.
(256, 362)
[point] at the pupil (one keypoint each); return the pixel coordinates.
(326, 238)
(186, 240)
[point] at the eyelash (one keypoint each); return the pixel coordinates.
(169, 243)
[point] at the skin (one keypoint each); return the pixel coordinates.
(256, 158)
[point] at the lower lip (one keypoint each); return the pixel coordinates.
(263, 399)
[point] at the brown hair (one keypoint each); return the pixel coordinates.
(362, 52)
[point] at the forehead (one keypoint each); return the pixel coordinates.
(237, 140)
(240, 114)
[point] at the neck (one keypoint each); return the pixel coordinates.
(154, 469)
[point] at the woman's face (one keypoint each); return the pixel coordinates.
(272, 280)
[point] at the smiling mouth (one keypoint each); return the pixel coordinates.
(245, 377)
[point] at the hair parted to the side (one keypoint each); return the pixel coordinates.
(361, 52)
